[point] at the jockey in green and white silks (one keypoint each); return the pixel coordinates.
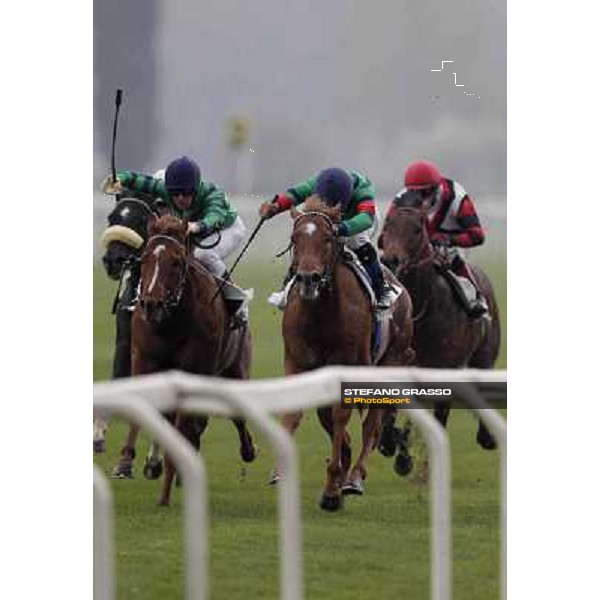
(355, 194)
(205, 206)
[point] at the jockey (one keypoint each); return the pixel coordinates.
(356, 195)
(206, 207)
(451, 220)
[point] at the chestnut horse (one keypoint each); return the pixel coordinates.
(329, 320)
(445, 337)
(176, 325)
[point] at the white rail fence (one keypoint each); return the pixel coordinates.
(141, 399)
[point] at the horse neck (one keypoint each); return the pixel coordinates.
(325, 312)
(200, 285)
(419, 281)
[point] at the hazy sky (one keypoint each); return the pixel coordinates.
(340, 82)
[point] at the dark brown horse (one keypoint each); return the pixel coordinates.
(445, 337)
(329, 320)
(176, 325)
(123, 240)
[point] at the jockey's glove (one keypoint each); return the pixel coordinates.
(341, 230)
(441, 242)
(269, 209)
(198, 230)
(108, 186)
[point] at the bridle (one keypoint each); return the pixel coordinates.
(173, 297)
(326, 277)
(423, 255)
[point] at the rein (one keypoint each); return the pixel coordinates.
(326, 278)
(172, 300)
(424, 254)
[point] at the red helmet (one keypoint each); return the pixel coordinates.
(422, 174)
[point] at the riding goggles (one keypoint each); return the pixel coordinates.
(181, 192)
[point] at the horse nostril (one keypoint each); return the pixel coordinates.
(315, 277)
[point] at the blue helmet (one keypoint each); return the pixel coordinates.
(182, 174)
(334, 186)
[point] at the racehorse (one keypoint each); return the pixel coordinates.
(177, 325)
(445, 337)
(329, 320)
(123, 240)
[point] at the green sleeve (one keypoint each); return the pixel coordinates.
(361, 222)
(138, 182)
(217, 211)
(363, 188)
(301, 191)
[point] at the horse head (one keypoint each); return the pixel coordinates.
(163, 268)
(125, 235)
(315, 246)
(404, 240)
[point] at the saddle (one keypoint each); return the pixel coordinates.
(381, 318)
(464, 290)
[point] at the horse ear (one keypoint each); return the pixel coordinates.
(380, 241)
(294, 212)
(151, 225)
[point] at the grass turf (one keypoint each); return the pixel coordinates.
(376, 547)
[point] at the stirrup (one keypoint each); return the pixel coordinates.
(277, 299)
(479, 308)
(386, 298)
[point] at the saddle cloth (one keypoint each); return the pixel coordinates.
(381, 318)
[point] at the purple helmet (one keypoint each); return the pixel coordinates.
(335, 186)
(182, 174)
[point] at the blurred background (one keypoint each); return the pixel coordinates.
(265, 94)
(341, 82)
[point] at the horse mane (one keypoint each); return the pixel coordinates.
(316, 204)
(169, 225)
(409, 199)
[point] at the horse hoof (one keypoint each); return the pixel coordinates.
(99, 446)
(331, 503)
(248, 453)
(353, 488)
(164, 502)
(486, 440)
(122, 471)
(275, 478)
(153, 468)
(388, 441)
(403, 464)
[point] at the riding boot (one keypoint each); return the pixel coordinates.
(237, 307)
(478, 307)
(278, 299)
(384, 294)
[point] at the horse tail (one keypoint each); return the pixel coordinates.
(486, 354)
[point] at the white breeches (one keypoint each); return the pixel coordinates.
(356, 241)
(231, 238)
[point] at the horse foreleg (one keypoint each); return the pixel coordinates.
(442, 412)
(290, 422)
(484, 438)
(165, 496)
(124, 468)
(100, 427)
(325, 418)
(153, 467)
(331, 498)
(371, 430)
(248, 450)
